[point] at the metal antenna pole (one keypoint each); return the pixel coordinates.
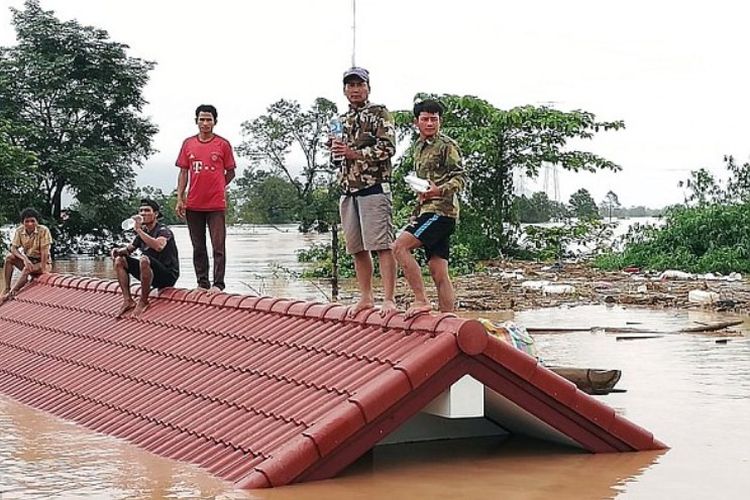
(354, 30)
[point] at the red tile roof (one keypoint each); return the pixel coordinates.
(265, 391)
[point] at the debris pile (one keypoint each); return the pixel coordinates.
(519, 285)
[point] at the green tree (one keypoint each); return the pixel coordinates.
(495, 142)
(610, 204)
(17, 168)
(702, 188)
(266, 198)
(738, 184)
(582, 205)
(286, 132)
(537, 208)
(74, 98)
(559, 211)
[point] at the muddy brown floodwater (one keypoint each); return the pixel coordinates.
(690, 391)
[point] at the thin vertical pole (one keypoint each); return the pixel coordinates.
(354, 31)
(335, 262)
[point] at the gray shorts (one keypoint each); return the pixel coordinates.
(366, 221)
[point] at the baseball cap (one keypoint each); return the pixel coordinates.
(358, 72)
(151, 203)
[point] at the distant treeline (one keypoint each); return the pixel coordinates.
(538, 208)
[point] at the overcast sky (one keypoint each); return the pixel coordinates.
(675, 72)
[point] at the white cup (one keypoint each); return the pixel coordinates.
(417, 184)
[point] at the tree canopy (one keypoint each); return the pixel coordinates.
(582, 205)
(73, 98)
(288, 142)
(610, 204)
(17, 167)
(538, 208)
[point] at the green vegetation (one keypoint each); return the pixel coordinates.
(583, 206)
(610, 205)
(15, 165)
(709, 233)
(270, 192)
(321, 264)
(558, 242)
(71, 103)
(538, 208)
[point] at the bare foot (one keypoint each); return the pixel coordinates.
(416, 309)
(5, 296)
(387, 308)
(126, 306)
(201, 289)
(140, 308)
(213, 290)
(359, 306)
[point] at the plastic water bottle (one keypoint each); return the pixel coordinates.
(336, 129)
(128, 224)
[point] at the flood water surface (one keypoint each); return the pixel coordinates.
(690, 391)
(261, 260)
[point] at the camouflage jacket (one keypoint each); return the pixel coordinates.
(439, 160)
(370, 131)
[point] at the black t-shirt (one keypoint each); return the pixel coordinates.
(168, 256)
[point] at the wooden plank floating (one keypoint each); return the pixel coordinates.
(708, 328)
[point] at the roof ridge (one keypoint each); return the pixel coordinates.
(290, 307)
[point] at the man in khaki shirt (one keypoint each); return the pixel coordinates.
(29, 252)
(437, 160)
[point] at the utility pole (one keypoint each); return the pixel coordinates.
(354, 31)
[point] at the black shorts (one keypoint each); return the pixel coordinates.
(434, 231)
(163, 277)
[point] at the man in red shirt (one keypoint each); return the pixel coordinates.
(207, 164)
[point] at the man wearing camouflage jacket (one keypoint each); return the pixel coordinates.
(366, 148)
(438, 160)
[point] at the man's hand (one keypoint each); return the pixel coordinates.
(179, 208)
(27, 264)
(430, 194)
(340, 148)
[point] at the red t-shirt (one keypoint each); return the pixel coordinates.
(206, 163)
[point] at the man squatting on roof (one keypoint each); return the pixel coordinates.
(437, 159)
(158, 265)
(365, 206)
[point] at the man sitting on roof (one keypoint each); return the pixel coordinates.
(158, 265)
(29, 253)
